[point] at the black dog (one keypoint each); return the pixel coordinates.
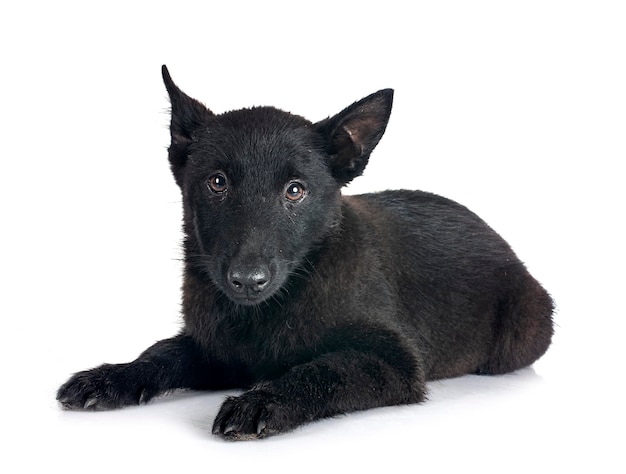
(320, 304)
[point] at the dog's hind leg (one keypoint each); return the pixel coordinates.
(524, 328)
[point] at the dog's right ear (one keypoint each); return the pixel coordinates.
(353, 133)
(188, 115)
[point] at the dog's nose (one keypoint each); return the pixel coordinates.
(250, 280)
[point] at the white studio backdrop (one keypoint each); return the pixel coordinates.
(515, 109)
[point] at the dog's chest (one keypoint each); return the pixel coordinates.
(264, 346)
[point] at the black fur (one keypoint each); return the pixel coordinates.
(317, 303)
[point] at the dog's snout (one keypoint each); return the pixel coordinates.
(249, 280)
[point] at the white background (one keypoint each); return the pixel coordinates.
(515, 109)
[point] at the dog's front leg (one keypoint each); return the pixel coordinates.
(335, 383)
(168, 364)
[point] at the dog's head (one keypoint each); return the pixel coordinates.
(261, 187)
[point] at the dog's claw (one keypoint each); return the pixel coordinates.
(90, 403)
(144, 397)
(65, 403)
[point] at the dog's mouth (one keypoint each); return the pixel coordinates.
(249, 297)
(248, 300)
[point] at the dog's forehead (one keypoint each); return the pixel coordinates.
(263, 139)
(262, 117)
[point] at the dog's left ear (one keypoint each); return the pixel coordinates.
(188, 115)
(353, 133)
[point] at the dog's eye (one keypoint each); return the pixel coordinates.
(217, 183)
(295, 191)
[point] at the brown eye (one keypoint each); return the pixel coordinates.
(217, 183)
(294, 192)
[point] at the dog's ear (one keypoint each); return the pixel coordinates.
(187, 116)
(353, 133)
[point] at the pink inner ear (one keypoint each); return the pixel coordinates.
(349, 132)
(362, 131)
(180, 139)
(354, 137)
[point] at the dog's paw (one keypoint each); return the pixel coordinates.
(255, 414)
(103, 388)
